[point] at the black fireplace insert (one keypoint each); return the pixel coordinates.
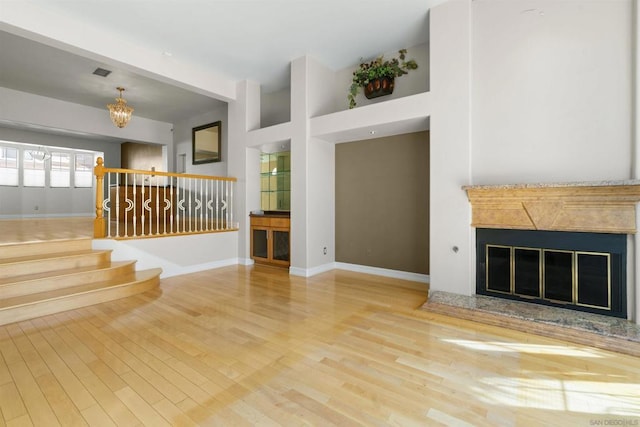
(576, 270)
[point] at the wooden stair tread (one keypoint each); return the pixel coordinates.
(46, 242)
(17, 250)
(24, 300)
(60, 274)
(50, 256)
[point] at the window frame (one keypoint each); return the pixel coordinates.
(5, 169)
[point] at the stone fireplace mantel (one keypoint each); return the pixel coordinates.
(601, 207)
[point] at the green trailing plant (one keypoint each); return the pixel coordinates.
(377, 69)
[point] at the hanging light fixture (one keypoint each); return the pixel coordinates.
(41, 154)
(120, 112)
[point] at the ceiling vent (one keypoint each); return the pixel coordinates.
(101, 72)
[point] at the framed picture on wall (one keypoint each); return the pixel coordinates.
(206, 141)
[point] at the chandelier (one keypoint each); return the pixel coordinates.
(120, 112)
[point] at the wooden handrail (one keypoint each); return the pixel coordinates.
(172, 174)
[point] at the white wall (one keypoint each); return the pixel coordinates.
(43, 112)
(177, 254)
(244, 162)
(182, 137)
(553, 85)
(331, 93)
(552, 91)
(275, 107)
(110, 148)
(416, 81)
(523, 91)
(450, 214)
(299, 165)
(312, 173)
(320, 245)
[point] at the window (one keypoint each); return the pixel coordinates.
(8, 166)
(33, 169)
(83, 174)
(60, 170)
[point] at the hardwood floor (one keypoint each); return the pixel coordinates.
(254, 346)
(39, 229)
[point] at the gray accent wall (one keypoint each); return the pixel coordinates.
(382, 202)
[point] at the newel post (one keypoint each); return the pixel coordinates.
(98, 223)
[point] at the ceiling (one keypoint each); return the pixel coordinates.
(237, 39)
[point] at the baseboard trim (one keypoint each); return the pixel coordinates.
(377, 271)
(308, 272)
(396, 274)
(199, 267)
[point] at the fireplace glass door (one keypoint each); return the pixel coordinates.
(594, 279)
(554, 268)
(558, 276)
(527, 272)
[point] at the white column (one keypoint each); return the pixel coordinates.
(299, 166)
(312, 173)
(243, 162)
(451, 262)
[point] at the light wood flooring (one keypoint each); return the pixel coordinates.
(39, 229)
(253, 346)
(244, 346)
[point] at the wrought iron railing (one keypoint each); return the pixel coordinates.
(137, 203)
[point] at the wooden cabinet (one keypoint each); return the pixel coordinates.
(270, 239)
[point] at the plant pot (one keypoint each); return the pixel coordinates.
(379, 87)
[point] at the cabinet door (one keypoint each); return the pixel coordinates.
(260, 243)
(280, 242)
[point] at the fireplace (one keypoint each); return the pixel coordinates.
(560, 244)
(580, 271)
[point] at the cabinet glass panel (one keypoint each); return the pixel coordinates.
(558, 276)
(264, 163)
(273, 200)
(260, 243)
(264, 182)
(264, 200)
(284, 200)
(526, 272)
(593, 280)
(498, 269)
(281, 245)
(275, 180)
(273, 162)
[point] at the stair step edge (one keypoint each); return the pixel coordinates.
(138, 276)
(53, 256)
(60, 274)
(46, 246)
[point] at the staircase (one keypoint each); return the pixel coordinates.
(41, 278)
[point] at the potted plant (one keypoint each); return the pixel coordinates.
(377, 77)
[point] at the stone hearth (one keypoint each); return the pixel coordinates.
(605, 332)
